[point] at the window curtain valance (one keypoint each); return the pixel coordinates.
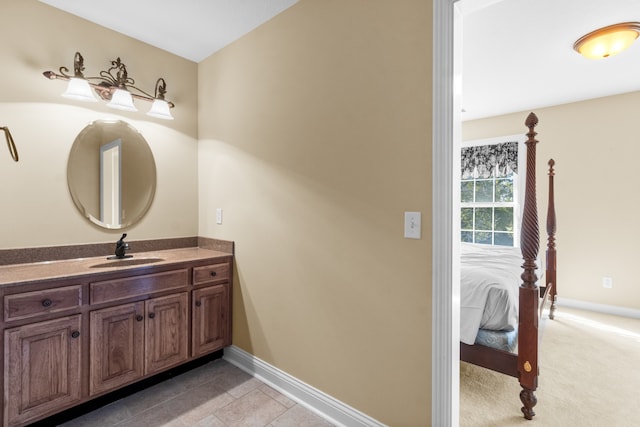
(483, 161)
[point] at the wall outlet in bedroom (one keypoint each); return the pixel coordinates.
(607, 282)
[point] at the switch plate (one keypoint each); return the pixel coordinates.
(219, 216)
(412, 225)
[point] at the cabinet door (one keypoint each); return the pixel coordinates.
(167, 332)
(210, 319)
(116, 346)
(41, 368)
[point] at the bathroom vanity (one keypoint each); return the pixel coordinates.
(77, 329)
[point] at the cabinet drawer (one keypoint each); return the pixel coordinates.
(211, 273)
(30, 304)
(119, 289)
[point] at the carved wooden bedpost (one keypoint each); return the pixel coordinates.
(550, 274)
(529, 292)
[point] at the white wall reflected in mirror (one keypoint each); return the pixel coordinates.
(111, 182)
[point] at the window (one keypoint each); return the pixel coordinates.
(489, 204)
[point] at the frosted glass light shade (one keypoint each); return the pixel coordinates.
(122, 100)
(608, 41)
(80, 90)
(160, 109)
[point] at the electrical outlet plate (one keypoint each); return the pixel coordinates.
(607, 282)
(219, 216)
(412, 225)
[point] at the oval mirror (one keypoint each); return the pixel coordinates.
(111, 174)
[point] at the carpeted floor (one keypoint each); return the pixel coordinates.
(589, 376)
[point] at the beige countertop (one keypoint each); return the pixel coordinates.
(16, 274)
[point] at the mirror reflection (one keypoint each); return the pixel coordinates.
(111, 174)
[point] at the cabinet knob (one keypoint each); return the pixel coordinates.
(75, 334)
(213, 274)
(139, 318)
(152, 315)
(198, 303)
(47, 302)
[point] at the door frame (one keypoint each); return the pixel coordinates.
(445, 345)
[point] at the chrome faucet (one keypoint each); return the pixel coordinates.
(122, 247)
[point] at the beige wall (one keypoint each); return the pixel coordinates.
(595, 146)
(315, 137)
(37, 209)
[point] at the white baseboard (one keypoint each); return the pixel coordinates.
(315, 400)
(600, 308)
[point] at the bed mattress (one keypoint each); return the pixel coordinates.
(489, 282)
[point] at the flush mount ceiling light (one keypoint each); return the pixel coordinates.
(607, 41)
(113, 85)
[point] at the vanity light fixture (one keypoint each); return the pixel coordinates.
(607, 41)
(10, 143)
(113, 85)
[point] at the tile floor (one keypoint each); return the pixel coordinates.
(216, 394)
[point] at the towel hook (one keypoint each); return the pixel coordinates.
(12, 145)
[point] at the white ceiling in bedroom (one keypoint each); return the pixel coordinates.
(518, 54)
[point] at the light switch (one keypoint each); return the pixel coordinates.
(412, 225)
(219, 216)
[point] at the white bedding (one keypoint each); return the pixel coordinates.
(489, 282)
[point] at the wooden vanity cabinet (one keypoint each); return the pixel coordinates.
(132, 340)
(166, 332)
(210, 319)
(211, 310)
(42, 368)
(135, 325)
(116, 346)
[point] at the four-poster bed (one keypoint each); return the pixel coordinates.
(531, 298)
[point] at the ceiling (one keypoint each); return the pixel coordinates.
(517, 54)
(192, 29)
